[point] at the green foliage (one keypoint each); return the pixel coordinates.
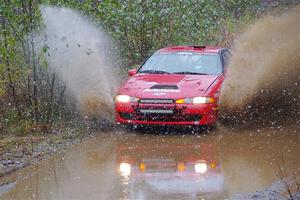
(10, 117)
(141, 26)
(21, 128)
(2, 81)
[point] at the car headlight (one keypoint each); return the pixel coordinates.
(125, 99)
(125, 169)
(200, 167)
(202, 100)
(196, 100)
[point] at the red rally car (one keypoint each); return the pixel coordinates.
(177, 85)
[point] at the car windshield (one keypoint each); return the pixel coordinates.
(182, 63)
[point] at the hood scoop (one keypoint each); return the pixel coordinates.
(164, 87)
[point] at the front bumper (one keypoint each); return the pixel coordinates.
(181, 114)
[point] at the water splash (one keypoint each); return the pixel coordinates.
(81, 53)
(263, 79)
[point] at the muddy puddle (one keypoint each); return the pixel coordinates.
(123, 165)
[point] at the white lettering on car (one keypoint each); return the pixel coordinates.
(159, 93)
(161, 90)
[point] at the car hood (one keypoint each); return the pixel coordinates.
(173, 86)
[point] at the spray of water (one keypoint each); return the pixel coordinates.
(263, 79)
(81, 53)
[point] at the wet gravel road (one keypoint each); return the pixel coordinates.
(179, 165)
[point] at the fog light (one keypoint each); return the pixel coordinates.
(142, 167)
(180, 101)
(181, 166)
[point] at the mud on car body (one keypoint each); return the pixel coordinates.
(177, 85)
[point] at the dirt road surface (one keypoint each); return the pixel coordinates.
(124, 164)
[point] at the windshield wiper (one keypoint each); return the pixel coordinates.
(154, 72)
(195, 73)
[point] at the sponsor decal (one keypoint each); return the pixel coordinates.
(159, 93)
(184, 53)
(161, 90)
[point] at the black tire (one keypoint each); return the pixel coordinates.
(203, 129)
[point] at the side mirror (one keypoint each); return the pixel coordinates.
(132, 72)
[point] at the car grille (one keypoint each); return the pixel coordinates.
(165, 87)
(160, 110)
(168, 117)
(159, 117)
(156, 101)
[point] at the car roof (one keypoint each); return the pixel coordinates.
(196, 48)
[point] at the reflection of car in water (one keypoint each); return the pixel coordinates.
(179, 170)
(177, 85)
